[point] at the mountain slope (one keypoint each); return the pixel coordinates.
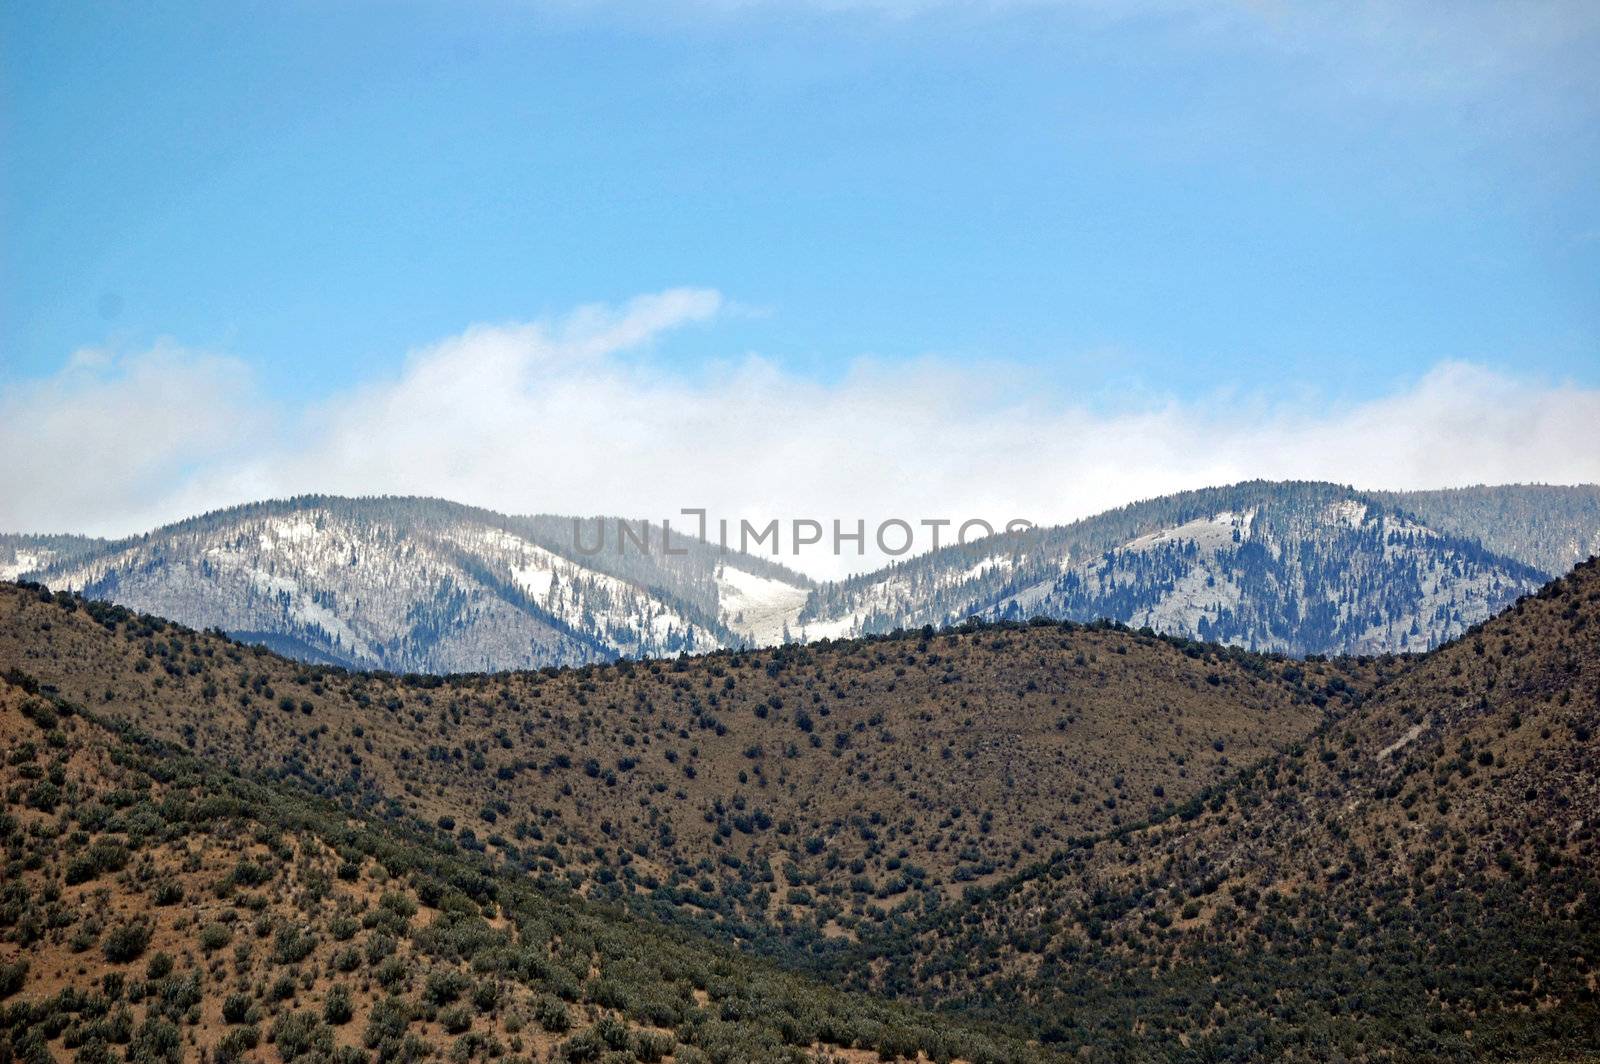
(811, 789)
(158, 909)
(1300, 568)
(429, 586)
(1249, 857)
(21, 554)
(1550, 527)
(1420, 878)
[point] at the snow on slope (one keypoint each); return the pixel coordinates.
(380, 592)
(432, 586)
(764, 609)
(1293, 567)
(1201, 579)
(24, 561)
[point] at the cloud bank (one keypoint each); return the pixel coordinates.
(572, 415)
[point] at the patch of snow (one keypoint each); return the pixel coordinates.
(1348, 512)
(25, 561)
(994, 561)
(759, 606)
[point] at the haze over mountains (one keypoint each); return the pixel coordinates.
(431, 586)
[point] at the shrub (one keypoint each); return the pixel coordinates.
(98, 859)
(12, 976)
(392, 974)
(336, 1007)
(238, 1008)
(236, 1043)
(581, 1047)
(455, 1019)
(298, 1033)
(249, 874)
(214, 936)
(486, 995)
(387, 1022)
(126, 942)
(156, 1042)
(95, 1051)
(613, 1032)
(551, 1014)
(651, 1046)
(443, 987)
(291, 945)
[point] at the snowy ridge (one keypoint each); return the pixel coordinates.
(415, 585)
(1290, 567)
(426, 585)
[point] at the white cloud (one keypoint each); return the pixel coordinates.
(559, 416)
(111, 441)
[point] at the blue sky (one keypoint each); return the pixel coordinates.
(1149, 199)
(1125, 206)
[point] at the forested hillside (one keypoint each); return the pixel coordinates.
(1419, 878)
(808, 789)
(427, 585)
(1299, 568)
(1123, 846)
(157, 909)
(1550, 527)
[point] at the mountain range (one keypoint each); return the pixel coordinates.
(424, 585)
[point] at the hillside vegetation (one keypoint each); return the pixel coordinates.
(805, 792)
(157, 910)
(1551, 527)
(1421, 877)
(1116, 845)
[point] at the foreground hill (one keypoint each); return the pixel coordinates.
(1299, 568)
(805, 792)
(423, 585)
(1421, 879)
(158, 910)
(1123, 846)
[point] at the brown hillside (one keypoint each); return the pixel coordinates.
(817, 788)
(157, 911)
(1422, 877)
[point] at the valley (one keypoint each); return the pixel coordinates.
(1002, 841)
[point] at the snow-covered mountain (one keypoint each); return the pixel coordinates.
(1303, 568)
(425, 585)
(431, 586)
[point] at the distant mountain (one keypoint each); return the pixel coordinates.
(1550, 527)
(21, 554)
(425, 585)
(1301, 568)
